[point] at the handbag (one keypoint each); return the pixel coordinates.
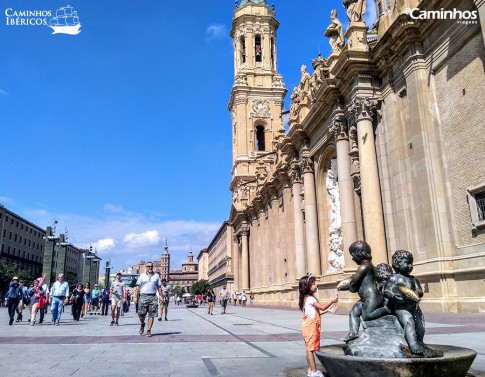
(42, 302)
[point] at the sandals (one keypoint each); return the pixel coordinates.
(149, 333)
(142, 329)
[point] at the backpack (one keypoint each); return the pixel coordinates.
(14, 293)
(26, 298)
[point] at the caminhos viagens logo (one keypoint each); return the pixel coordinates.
(64, 20)
(461, 16)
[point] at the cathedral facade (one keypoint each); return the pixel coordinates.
(385, 144)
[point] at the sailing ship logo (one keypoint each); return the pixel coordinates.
(65, 21)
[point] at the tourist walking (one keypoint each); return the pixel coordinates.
(23, 300)
(243, 299)
(13, 297)
(223, 297)
(311, 326)
(87, 299)
(43, 300)
(77, 301)
(105, 301)
(147, 285)
(35, 293)
(118, 297)
(95, 299)
(211, 300)
(166, 290)
(234, 298)
(58, 298)
(251, 299)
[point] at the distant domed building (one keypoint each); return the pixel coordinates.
(184, 278)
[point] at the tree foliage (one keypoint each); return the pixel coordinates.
(133, 282)
(10, 269)
(200, 286)
(177, 290)
(71, 278)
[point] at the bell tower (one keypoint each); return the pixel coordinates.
(257, 95)
(165, 263)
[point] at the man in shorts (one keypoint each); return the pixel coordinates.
(147, 286)
(118, 297)
(165, 299)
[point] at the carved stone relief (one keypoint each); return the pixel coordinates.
(260, 109)
(335, 242)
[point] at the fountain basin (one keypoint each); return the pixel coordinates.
(455, 362)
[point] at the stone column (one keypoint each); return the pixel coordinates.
(245, 258)
(346, 189)
(311, 219)
(362, 109)
(300, 260)
(236, 265)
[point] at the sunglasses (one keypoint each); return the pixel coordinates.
(149, 266)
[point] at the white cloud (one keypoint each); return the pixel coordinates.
(113, 208)
(127, 237)
(216, 31)
(150, 237)
(6, 201)
(104, 244)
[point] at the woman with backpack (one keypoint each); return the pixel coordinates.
(13, 298)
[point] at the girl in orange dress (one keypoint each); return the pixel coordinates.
(312, 310)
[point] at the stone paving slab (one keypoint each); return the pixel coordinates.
(257, 341)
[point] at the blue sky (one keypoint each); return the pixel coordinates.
(122, 133)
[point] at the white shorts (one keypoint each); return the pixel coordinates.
(116, 301)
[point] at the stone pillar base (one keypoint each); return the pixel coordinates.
(356, 35)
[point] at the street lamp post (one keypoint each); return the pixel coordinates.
(107, 272)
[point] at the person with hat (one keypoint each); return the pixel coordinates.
(13, 298)
(22, 304)
(95, 299)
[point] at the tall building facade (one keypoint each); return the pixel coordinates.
(220, 266)
(384, 144)
(21, 242)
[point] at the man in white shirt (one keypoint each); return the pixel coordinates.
(147, 286)
(58, 298)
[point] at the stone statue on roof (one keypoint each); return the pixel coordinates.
(355, 10)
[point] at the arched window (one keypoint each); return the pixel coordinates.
(260, 142)
(257, 48)
(272, 53)
(242, 46)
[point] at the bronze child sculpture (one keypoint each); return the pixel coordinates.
(371, 303)
(404, 293)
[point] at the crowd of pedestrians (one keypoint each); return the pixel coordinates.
(152, 294)
(84, 301)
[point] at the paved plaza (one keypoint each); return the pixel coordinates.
(246, 342)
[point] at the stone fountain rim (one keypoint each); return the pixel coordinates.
(447, 347)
